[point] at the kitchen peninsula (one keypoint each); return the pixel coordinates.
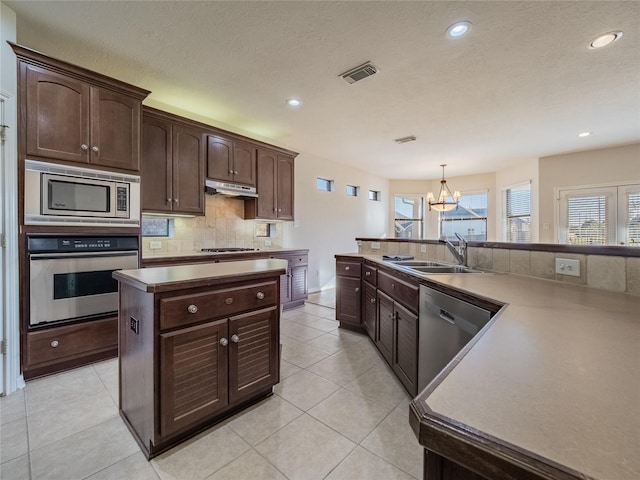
(196, 344)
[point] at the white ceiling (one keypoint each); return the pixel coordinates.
(521, 85)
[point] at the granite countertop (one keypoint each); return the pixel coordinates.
(160, 279)
(556, 375)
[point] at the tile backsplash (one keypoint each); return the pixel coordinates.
(222, 226)
(608, 272)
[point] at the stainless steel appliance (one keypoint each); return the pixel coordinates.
(63, 195)
(70, 277)
(213, 187)
(446, 326)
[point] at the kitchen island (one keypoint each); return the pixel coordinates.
(549, 389)
(197, 343)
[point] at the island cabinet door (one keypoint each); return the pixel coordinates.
(348, 300)
(405, 353)
(253, 353)
(384, 336)
(194, 377)
(369, 310)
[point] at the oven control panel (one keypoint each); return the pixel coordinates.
(80, 244)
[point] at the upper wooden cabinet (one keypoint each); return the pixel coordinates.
(172, 170)
(231, 161)
(75, 115)
(274, 186)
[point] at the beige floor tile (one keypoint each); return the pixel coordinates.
(60, 389)
(349, 414)
(379, 385)
(305, 449)
(201, 456)
(362, 464)
(326, 298)
(134, 467)
(319, 323)
(394, 441)
(12, 407)
(63, 420)
(13, 440)
(403, 406)
(299, 332)
(304, 389)
(106, 367)
(319, 310)
(84, 453)
(16, 469)
(287, 369)
(303, 354)
(329, 343)
(249, 466)
(289, 341)
(258, 422)
(342, 367)
(347, 336)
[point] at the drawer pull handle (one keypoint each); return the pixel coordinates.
(228, 301)
(367, 274)
(224, 342)
(373, 300)
(192, 308)
(346, 268)
(84, 146)
(357, 289)
(55, 343)
(235, 338)
(260, 295)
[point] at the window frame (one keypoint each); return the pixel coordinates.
(421, 221)
(484, 192)
(505, 211)
(354, 188)
(328, 182)
(377, 195)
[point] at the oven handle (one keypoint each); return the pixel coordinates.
(54, 256)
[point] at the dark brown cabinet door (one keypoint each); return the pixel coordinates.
(384, 338)
(348, 300)
(57, 116)
(220, 158)
(369, 310)
(244, 163)
(156, 166)
(266, 185)
(285, 287)
(253, 353)
(188, 170)
(115, 130)
(405, 351)
(298, 282)
(285, 179)
(193, 380)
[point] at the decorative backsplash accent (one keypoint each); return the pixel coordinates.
(607, 272)
(222, 226)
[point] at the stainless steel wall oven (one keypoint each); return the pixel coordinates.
(70, 277)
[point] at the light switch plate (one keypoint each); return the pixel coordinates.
(155, 245)
(423, 249)
(375, 245)
(565, 266)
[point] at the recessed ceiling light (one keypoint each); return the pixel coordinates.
(605, 39)
(584, 134)
(459, 29)
(293, 102)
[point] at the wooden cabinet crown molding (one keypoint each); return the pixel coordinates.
(34, 57)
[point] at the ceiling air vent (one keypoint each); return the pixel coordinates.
(358, 73)
(410, 138)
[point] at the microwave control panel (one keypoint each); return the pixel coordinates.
(122, 198)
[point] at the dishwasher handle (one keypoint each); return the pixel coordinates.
(447, 317)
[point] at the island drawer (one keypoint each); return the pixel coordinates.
(406, 293)
(348, 269)
(179, 311)
(370, 274)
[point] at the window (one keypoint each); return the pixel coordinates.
(469, 219)
(156, 227)
(324, 184)
(517, 213)
(352, 190)
(408, 216)
(607, 215)
(375, 195)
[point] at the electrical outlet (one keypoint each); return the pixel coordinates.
(375, 245)
(155, 245)
(423, 249)
(565, 266)
(267, 243)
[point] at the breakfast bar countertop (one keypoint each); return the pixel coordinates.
(553, 381)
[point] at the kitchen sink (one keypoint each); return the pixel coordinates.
(444, 269)
(420, 263)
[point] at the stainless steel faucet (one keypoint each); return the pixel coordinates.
(459, 252)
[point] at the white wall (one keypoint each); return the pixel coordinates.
(327, 223)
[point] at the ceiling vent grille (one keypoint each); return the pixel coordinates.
(358, 73)
(410, 138)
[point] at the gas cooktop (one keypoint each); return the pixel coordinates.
(227, 249)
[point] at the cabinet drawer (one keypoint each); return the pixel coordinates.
(348, 269)
(292, 259)
(187, 309)
(370, 274)
(72, 341)
(404, 292)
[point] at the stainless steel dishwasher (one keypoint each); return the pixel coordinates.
(446, 326)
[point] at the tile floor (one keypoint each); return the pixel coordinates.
(338, 413)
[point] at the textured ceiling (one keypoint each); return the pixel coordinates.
(521, 85)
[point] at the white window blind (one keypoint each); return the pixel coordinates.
(631, 215)
(518, 213)
(587, 217)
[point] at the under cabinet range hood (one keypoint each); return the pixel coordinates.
(213, 187)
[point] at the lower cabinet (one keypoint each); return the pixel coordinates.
(384, 338)
(293, 285)
(405, 347)
(348, 294)
(369, 310)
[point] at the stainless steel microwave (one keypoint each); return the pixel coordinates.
(63, 195)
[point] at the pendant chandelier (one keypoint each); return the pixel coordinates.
(446, 199)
